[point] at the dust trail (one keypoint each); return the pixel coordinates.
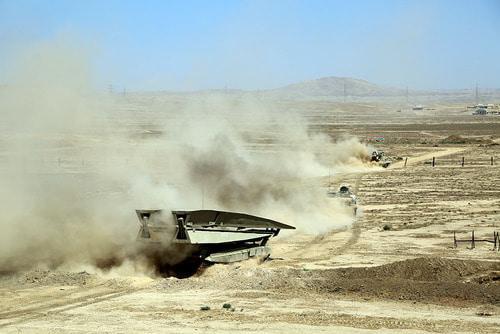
(75, 164)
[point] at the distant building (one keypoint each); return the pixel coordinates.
(418, 107)
(481, 106)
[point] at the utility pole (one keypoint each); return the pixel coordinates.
(477, 94)
(344, 89)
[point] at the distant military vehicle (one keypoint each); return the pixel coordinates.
(379, 156)
(349, 198)
(208, 235)
(480, 111)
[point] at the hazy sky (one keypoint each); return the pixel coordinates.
(184, 45)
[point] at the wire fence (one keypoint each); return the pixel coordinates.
(459, 162)
(495, 241)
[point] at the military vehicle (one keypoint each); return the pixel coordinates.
(345, 193)
(381, 159)
(480, 111)
(206, 235)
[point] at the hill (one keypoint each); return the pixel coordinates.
(335, 86)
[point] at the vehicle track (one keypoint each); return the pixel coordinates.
(57, 306)
(320, 244)
(428, 156)
(356, 226)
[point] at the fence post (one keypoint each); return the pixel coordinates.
(406, 160)
(454, 240)
(433, 161)
(463, 161)
(492, 161)
(473, 242)
(498, 241)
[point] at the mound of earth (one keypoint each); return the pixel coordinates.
(421, 269)
(435, 280)
(47, 277)
(456, 139)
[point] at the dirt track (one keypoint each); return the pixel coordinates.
(406, 278)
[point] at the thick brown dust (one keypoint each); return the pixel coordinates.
(73, 168)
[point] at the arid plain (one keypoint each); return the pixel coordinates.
(393, 270)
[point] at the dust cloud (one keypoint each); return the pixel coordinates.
(75, 163)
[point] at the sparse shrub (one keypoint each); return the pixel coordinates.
(387, 227)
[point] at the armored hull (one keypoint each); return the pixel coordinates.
(210, 235)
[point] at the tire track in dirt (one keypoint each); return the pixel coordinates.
(428, 156)
(53, 307)
(356, 226)
(321, 242)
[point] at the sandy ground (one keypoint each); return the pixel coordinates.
(404, 278)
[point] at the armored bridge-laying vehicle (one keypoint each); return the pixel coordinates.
(210, 235)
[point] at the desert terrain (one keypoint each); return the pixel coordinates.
(393, 270)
